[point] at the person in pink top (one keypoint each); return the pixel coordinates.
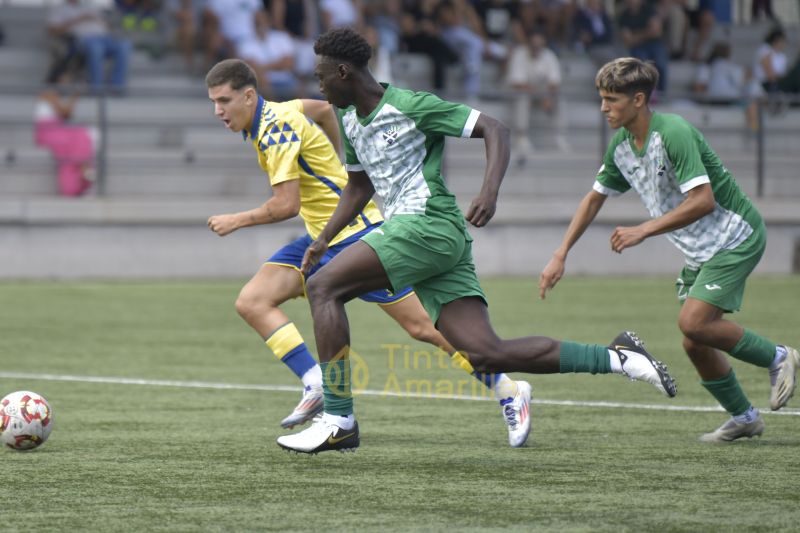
(70, 144)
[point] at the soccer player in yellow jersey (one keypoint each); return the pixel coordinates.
(307, 178)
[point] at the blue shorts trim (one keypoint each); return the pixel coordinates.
(292, 254)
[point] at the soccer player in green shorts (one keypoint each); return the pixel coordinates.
(393, 141)
(306, 177)
(693, 199)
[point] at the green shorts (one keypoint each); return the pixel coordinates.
(720, 280)
(431, 254)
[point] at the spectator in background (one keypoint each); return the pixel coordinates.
(339, 13)
(496, 22)
(271, 53)
(419, 34)
(534, 75)
(380, 64)
(71, 145)
(594, 31)
(720, 80)
(770, 63)
(685, 16)
(87, 28)
(226, 24)
(300, 18)
(641, 30)
(140, 23)
(384, 16)
(558, 16)
(459, 27)
(761, 6)
(186, 16)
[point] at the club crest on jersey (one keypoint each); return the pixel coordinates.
(390, 135)
(661, 168)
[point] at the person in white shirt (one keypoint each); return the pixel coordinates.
(271, 53)
(227, 23)
(534, 75)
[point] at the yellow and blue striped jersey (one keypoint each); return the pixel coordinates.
(291, 146)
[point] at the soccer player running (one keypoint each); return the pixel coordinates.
(307, 178)
(693, 199)
(393, 141)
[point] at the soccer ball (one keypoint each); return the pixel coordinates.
(26, 420)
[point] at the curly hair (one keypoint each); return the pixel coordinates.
(344, 44)
(627, 75)
(234, 71)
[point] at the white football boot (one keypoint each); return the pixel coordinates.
(638, 364)
(322, 436)
(732, 430)
(310, 405)
(517, 416)
(783, 379)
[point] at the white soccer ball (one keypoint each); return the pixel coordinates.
(26, 420)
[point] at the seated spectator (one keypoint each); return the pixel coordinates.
(720, 80)
(384, 16)
(185, 16)
(86, 26)
(299, 19)
(454, 20)
(534, 75)
(271, 54)
(496, 22)
(71, 145)
(698, 16)
(226, 24)
(338, 13)
(139, 22)
(380, 64)
(770, 63)
(419, 34)
(558, 15)
(594, 31)
(761, 6)
(641, 29)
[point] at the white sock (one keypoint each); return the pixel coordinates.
(748, 416)
(313, 377)
(616, 364)
(344, 422)
(780, 355)
(504, 388)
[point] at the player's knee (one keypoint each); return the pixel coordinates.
(318, 289)
(691, 328)
(421, 331)
(245, 303)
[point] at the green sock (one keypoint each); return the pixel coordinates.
(754, 349)
(336, 387)
(579, 357)
(728, 393)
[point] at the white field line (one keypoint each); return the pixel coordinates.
(368, 392)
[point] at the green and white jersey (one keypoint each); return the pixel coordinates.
(400, 144)
(675, 159)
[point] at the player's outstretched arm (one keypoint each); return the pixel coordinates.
(496, 138)
(284, 204)
(323, 114)
(583, 217)
(358, 191)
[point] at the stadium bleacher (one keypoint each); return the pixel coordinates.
(168, 155)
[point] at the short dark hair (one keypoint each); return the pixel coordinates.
(344, 44)
(234, 71)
